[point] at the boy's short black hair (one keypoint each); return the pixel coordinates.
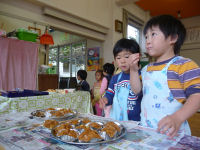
(82, 74)
(126, 44)
(109, 68)
(170, 26)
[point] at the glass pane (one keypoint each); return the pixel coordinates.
(78, 55)
(133, 33)
(64, 61)
(71, 58)
(64, 69)
(53, 58)
(64, 53)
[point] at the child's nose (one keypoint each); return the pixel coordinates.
(123, 60)
(148, 40)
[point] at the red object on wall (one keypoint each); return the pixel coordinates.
(46, 39)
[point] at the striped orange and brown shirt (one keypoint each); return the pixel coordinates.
(183, 77)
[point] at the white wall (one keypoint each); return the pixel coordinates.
(97, 11)
(191, 22)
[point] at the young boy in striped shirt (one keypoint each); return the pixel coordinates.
(170, 85)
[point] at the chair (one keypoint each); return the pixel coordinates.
(72, 82)
(67, 82)
(63, 82)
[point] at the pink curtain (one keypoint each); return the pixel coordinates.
(18, 64)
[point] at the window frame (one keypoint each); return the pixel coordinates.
(132, 20)
(84, 42)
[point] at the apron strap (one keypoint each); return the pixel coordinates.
(119, 77)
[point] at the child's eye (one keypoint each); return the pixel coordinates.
(153, 34)
(117, 57)
(127, 56)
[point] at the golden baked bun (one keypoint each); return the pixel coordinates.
(50, 123)
(50, 109)
(74, 122)
(39, 114)
(112, 124)
(57, 113)
(73, 133)
(62, 126)
(63, 132)
(86, 120)
(88, 135)
(81, 127)
(111, 128)
(95, 125)
(110, 131)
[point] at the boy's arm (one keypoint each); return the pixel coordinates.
(135, 82)
(173, 122)
(102, 102)
(136, 85)
(108, 98)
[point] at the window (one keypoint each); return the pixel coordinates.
(133, 30)
(133, 33)
(133, 27)
(68, 59)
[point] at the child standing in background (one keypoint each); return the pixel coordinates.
(83, 84)
(96, 96)
(170, 85)
(108, 71)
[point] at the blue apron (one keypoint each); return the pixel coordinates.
(119, 106)
(158, 101)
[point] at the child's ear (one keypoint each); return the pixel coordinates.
(173, 38)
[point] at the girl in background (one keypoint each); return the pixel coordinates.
(108, 71)
(96, 92)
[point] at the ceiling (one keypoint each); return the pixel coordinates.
(178, 8)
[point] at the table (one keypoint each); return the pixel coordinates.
(79, 100)
(16, 134)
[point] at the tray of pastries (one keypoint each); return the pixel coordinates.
(55, 113)
(84, 131)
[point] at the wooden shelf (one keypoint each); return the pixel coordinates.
(47, 81)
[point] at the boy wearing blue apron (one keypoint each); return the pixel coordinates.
(170, 85)
(125, 104)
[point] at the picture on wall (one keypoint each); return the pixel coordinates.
(193, 35)
(93, 59)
